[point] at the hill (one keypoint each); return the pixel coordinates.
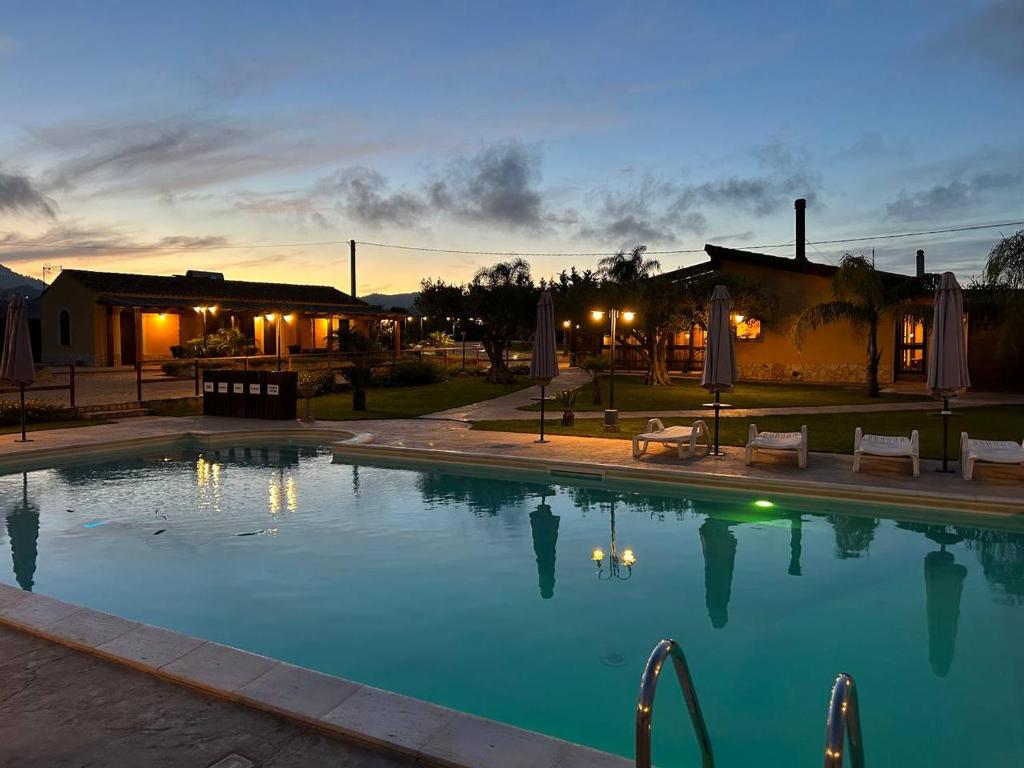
(11, 282)
(389, 300)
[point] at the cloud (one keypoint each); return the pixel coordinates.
(498, 185)
(19, 195)
(652, 211)
(300, 208)
(181, 154)
(991, 35)
(363, 194)
(955, 195)
(72, 240)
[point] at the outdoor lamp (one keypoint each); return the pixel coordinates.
(198, 309)
(598, 555)
(288, 318)
(566, 324)
(597, 314)
(212, 310)
(628, 316)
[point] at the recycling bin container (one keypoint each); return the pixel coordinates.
(282, 395)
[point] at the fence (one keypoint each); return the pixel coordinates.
(153, 373)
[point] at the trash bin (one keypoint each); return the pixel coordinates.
(282, 395)
(210, 393)
(255, 394)
(221, 400)
(238, 393)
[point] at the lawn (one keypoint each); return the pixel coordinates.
(827, 432)
(409, 402)
(631, 394)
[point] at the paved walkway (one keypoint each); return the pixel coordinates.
(509, 404)
(105, 386)
(60, 707)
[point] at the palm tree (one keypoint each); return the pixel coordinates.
(862, 296)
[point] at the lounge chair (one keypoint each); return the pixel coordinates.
(680, 436)
(778, 441)
(891, 446)
(988, 451)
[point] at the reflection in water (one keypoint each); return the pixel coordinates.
(944, 584)
(544, 526)
(796, 534)
(483, 498)
(1001, 554)
(719, 545)
(23, 531)
(853, 534)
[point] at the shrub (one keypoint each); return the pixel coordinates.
(567, 399)
(35, 411)
(440, 339)
(409, 373)
(321, 379)
(175, 368)
(519, 369)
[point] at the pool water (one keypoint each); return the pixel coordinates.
(480, 593)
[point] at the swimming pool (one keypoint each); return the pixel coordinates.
(484, 592)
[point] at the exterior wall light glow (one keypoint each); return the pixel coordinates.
(628, 316)
(597, 314)
(270, 316)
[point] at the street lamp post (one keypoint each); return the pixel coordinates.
(611, 416)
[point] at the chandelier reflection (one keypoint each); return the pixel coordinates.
(619, 565)
(282, 490)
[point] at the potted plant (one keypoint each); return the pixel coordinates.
(567, 399)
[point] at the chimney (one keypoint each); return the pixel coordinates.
(801, 238)
(352, 253)
(920, 263)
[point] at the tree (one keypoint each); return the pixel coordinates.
(861, 295)
(1004, 267)
(503, 299)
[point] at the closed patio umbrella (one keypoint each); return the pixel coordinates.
(947, 356)
(16, 364)
(544, 362)
(719, 372)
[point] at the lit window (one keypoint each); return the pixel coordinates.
(748, 328)
(911, 345)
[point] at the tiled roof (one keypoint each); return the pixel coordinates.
(208, 289)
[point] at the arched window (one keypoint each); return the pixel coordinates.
(64, 328)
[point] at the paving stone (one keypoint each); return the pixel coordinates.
(387, 718)
(297, 691)
(218, 667)
(91, 627)
(150, 646)
(474, 741)
(38, 611)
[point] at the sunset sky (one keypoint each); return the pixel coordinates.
(156, 137)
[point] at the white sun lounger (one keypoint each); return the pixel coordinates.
(778, 441)
(891, 446)
(680, 436)
(988, 451)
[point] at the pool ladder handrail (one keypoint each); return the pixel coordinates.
(843, 723)
(645, 703)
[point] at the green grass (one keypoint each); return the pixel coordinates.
(409, 402)
(631, 394)
(827, 432)
(9, 429)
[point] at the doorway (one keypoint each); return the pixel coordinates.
(128, 350)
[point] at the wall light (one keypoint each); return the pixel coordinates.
(628, 316)
(288, 318)
(566, 324)
(597, 314)
(271, 316)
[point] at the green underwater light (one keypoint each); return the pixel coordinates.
(764, 504)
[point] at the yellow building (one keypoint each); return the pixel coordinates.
(110, 318)
(833, 354)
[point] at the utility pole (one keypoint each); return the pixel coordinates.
(352, 262)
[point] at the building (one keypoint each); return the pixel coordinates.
(833, 354)
(110, 318)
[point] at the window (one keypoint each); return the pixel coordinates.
(64, 328)
(911, 352)
(747, 328)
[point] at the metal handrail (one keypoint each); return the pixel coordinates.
(843, 722)
(645, 703)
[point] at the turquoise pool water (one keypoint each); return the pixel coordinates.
(479, 593)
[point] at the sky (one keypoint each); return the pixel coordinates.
(256, 138)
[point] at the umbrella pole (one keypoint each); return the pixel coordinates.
(718, 395)
(945, 435)
(541, 440)
(24, 439)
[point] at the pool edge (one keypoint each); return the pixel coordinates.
(340, 708)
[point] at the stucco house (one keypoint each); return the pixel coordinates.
(113, 318)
